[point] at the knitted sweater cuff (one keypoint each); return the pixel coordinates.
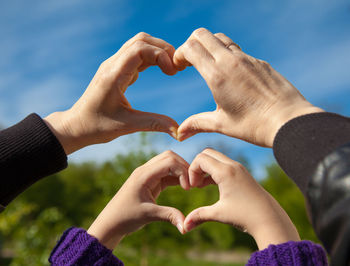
(304, 141)
(77, 247)
(29, 151)
(290, 253)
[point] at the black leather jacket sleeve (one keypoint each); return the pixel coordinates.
(314, 151)
(29, 151)
(328, 195)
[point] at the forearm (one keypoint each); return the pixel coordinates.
(28, 152)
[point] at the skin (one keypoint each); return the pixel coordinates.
(243, 202)
(253, 100)
(139, 194)
(103, 113)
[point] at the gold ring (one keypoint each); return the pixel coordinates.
(235, 44)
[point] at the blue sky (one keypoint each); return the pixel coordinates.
(50, 50)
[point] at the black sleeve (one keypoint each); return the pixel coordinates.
(314, 152)
(29, 151)
(328, 196)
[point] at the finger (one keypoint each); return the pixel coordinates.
(203, 122)
(192, 52)
(214, 46)
(207, 180)
(164, 165)
(164, 62)
(141, 55)
(228, 42)
(169, 181)
(145, 121)
(169, 214)
(164, 183)
(199, 216)
(145, 37)
(217, 155)
(166, 154)
(201, 165)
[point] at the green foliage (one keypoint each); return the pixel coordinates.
(32, 224)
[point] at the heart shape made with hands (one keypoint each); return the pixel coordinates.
(175, 197)
(236, 186)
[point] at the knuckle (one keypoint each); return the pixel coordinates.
(138, 44)
(137, 170)
(208, 149)
(142, 36)
(236, 168)
(169, 153)
(155, 125)
(199, 215)
(265, 65)
(171, 160)
(201, 156)
(199, 32)
(191, 43)
(104, 64)
(170, 217)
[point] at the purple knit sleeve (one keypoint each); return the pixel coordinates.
(302, 253)
(77, 247)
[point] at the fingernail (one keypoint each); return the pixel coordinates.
(180, 228)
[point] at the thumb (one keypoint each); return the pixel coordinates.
(144, 121)
(170, 214)
(199, 216)
(203, 122)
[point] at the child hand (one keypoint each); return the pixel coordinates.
(243, 202)
(135, 203)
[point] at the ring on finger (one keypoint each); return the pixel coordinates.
(235, 44)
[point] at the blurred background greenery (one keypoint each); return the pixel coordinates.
(32, 224)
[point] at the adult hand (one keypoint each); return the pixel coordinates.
(253, 100)
(243, 203)
(135, 203)
(103, 113)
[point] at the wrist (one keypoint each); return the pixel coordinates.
(61, 125)
(109, 239)
(274, 233)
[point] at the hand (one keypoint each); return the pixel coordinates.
(253, 100)
(243, 203)
(135, 203)
(103, 113)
